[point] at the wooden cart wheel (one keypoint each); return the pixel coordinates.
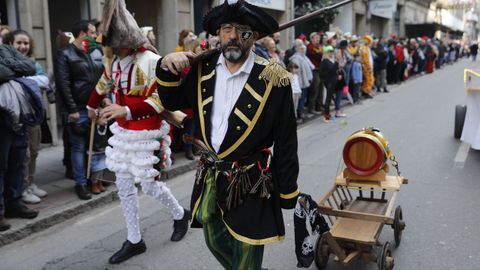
(460, 112)
(385, 261)
(398, 225)
(322, 252)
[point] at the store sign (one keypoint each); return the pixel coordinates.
(383, 8)
(269, 4)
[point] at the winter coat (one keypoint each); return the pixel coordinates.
(20, 104)
(76, 75)
(13, 64)
(305, 74)
(380, 59)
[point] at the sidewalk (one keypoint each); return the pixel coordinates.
(62, 203)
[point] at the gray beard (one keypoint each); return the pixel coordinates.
(233, 55)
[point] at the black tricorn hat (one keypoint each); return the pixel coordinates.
(239, 12)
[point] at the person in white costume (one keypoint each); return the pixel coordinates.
(140, 142)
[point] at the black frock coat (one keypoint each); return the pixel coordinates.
(262, 117)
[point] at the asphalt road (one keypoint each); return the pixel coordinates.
(440, 203)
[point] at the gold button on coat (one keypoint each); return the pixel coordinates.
(239, 128)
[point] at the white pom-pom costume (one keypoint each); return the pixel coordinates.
(137, 138)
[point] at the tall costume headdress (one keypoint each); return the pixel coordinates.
(118, 27)
(240, 12)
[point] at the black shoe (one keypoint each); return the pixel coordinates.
(82, 192)
(180, 227)
(4, 225)
(385, 90)
(189, 154)
(127, 251)
(21, 212)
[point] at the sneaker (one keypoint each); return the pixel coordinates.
(366, 96)
(37, 191)
(327, 118)
(317, 112)
(308, 115)
(29, 197)
(299, 121)
(340, 115)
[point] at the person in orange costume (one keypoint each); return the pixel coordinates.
(367, 66)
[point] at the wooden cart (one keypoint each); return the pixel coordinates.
(357, 212)
(471, 81)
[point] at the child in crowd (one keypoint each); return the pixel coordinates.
(357, 78)
(296, 90)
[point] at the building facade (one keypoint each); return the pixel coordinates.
(413, 18)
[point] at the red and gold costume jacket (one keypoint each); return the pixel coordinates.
(132, 82)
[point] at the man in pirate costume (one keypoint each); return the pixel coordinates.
(243, 105)
(139, 134)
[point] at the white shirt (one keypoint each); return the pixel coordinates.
(228, 88)
(125, 65)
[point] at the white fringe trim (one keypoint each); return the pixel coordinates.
(135, 146)
(143, 173)
(132, 151)
(117, 167)
(135, 135)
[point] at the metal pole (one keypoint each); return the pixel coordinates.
(312, 15)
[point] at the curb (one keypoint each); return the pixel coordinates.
(52, 218)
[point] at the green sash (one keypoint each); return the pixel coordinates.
(208, 204)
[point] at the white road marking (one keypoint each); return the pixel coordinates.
(461, 155)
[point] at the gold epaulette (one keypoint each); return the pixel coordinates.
(273, 72)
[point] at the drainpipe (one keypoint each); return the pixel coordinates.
(17, 14)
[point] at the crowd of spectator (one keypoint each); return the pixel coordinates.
(332, 66)
(326, 68)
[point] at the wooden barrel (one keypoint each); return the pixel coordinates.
(366, 152)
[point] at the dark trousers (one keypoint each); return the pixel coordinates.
(301, 102)
(231, 253)
(78, 147)
(189, 129)
(355, 91)
(13, 150)
(330, 92)
(315, 93)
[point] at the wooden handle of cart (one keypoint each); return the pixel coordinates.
(176, 118)
(90, 147)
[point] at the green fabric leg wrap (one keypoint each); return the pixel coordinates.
(208, 202)
(231, 253)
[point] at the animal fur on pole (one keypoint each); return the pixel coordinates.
(312, 15)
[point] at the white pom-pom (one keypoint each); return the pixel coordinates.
(232, 2)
